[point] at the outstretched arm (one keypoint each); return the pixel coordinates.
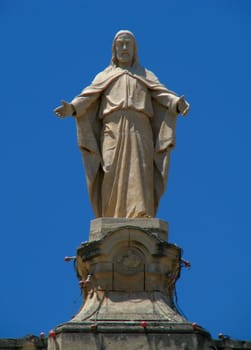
(183, 106)
(168, 99)
(65, 110)
(77, 107)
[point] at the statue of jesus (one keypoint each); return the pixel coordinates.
(126, 130)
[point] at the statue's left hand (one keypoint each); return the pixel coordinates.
(183, 106)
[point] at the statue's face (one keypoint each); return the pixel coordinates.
(124, 47)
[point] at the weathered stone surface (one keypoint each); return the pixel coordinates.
(133, 306)
(128, 273)
(128, 259)
(131, 336)
(29, 342)
(101, 226)
(84, 339)
(232, 344)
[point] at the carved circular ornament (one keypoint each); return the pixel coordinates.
(129, 260)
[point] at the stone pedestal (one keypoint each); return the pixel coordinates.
(130, 336)
(100, 227)
(128, 272)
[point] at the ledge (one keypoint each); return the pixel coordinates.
(101, 226)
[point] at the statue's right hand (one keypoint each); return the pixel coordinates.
(64, 110)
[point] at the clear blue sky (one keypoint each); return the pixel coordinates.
(52, 49)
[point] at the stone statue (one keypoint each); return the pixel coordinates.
(126, 130)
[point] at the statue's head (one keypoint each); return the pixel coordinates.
(124, 49)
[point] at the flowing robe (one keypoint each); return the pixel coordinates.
(126, 128)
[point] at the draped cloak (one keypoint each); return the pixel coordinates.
(91, 118)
